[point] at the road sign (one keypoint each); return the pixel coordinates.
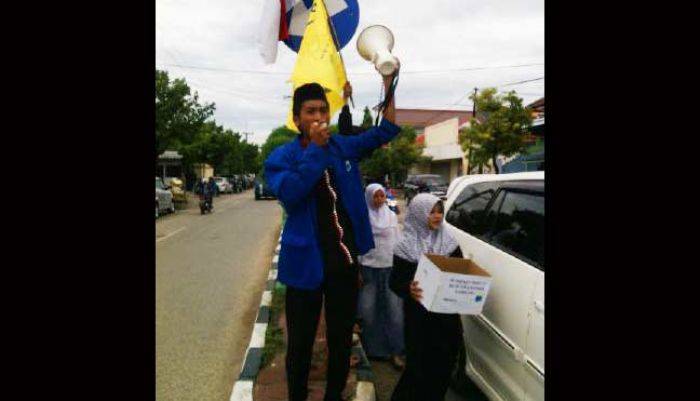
(344, 14)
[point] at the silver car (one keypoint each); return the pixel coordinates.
(164, 198)
(223, 185)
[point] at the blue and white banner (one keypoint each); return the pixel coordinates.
(344, 14)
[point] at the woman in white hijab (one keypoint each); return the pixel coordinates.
(379, 309)
(433, 340)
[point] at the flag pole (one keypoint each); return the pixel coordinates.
(337, 46)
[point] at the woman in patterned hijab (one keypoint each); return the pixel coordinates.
(432, 340)
(421, 234)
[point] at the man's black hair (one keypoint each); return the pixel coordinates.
(312, 91)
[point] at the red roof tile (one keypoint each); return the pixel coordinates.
(537, 105)
(421, 118)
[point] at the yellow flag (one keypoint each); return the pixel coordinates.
(319, 61)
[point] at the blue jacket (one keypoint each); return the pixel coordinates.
(292, 173)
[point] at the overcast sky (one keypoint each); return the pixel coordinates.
(216, 41)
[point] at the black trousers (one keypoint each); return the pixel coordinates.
(432, 348)
(303, 308)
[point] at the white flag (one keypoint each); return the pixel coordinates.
(269, 30)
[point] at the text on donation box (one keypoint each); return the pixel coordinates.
(452, 285)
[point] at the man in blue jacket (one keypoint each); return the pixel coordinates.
(327, 227)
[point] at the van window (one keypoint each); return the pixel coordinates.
(468, 211)
(518, 227)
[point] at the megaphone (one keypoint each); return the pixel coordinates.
(374, 44)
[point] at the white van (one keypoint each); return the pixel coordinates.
(499, 223)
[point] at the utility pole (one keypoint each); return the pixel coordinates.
(481, 166)
(469, 156)
(246, 131)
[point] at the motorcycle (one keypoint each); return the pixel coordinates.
(391, 201)
(205, 204)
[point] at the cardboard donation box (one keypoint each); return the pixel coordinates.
(452, 285)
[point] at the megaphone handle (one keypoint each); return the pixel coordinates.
(390, 92)
(388, 96)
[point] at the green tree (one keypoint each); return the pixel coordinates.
(221, 148)
(250, 156)
(498, 128)
(396, 157)
(278, 137)
(179, 115)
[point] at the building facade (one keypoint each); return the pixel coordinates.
(438, 130)
(441, 142)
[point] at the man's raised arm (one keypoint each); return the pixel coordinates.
(375, 137)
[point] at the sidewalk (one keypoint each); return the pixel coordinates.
(271, 382)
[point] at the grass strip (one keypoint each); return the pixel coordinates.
(274, 336)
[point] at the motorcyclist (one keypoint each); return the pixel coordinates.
(206, 188)
(211, 191)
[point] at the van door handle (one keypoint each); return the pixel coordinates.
(539, 306)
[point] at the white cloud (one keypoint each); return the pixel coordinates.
(430, 35)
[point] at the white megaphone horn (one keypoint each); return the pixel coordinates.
(375, 44)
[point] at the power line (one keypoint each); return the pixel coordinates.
(522, 82)
(437, 71)
(243, 95)
(470, 69)
(193, 67)
(468, 93)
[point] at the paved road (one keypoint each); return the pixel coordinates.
(210, 274)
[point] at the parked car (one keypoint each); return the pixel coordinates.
(498, 221)
(176, 188)
(223, 186)
(164, 198)
(236, 183)
(262, 191)
(432, 183)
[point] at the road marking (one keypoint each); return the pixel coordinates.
(266, 298)
(170, 235)
(272, 275)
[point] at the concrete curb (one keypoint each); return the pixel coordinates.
(365, 378)
(243, 387)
